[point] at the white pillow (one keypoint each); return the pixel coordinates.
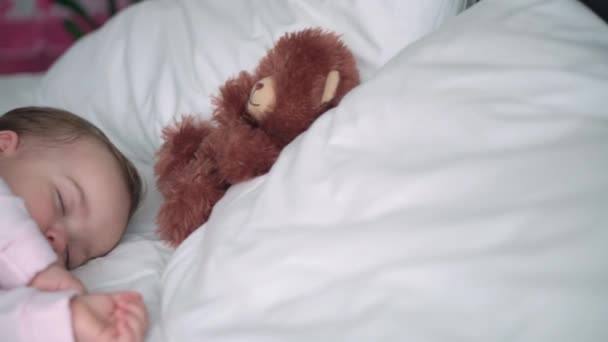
(161, 59)
(460, 194)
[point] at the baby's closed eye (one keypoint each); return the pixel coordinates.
(60, 202)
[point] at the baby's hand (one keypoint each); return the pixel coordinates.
(56, 278)
(119, 317)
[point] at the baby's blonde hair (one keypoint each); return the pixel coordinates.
(60, 126)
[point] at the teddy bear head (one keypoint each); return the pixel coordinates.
(304, 75)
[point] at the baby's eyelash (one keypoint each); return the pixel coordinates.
(61, 202)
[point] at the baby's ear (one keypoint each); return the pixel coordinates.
(8, 141)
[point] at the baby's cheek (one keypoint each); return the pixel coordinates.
(42, 210)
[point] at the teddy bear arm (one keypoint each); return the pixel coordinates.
(232, 99)
(180, 144)
(246, 153)
(188, 201)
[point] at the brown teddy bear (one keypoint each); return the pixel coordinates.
(255, 117)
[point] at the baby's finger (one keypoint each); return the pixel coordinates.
(125, 333)
(111, 333)
(136, 308)
(120, 298)
(74, 285)
(131, 296)
(133, 324)
(138, 312)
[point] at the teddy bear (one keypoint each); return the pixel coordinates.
(254, 117)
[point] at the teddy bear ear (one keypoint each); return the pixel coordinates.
(331, 86)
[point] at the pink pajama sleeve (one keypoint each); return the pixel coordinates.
(29, 315)
(24, 251)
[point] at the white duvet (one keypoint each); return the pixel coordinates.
(459, 194)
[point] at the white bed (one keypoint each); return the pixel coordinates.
(459, 194)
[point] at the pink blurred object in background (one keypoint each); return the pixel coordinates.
(32, 33)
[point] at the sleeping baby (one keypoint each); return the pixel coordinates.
(66, 195)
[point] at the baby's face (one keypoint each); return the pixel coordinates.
(75, 192)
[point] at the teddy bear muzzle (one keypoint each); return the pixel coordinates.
(262, 98)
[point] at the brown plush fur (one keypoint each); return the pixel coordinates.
(199, 160)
